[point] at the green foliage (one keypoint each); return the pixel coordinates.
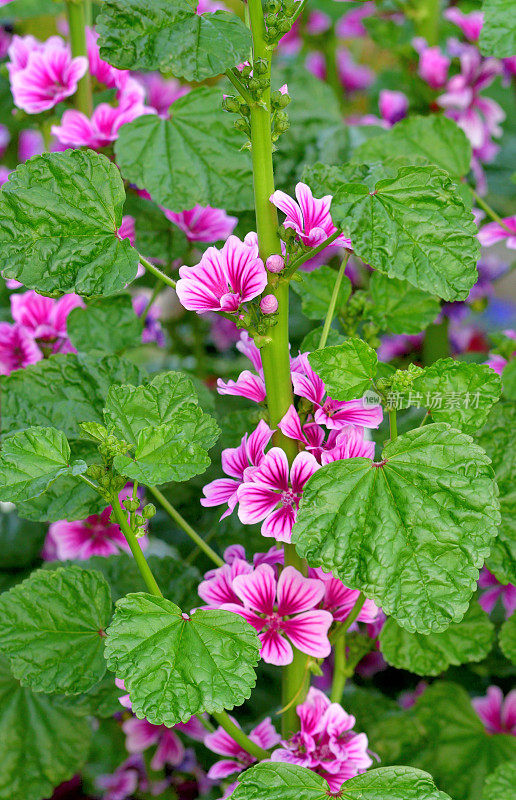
(412, 226)
(171, 37)
(156, 236)
(462, 393)
(470, 639)
(175, 666)
(43, 742)
(498, 439)
(315, 290)
(509, 380)
(51, 628)
(399, 307)
(106, 326)
(508, 638)
(279, 781)
(193, 158)
(30, 461)
(498, 34)
(501, 785)
(59, 215)
(67, 498)
(20, 544)
(411, 531)
(347, 369)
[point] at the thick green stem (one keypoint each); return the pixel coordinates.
(239, 736)
(333, 302)
(181, 521)
(77, 24)
(339, 670)
(427, 16)
(275, 354)
(136, 550)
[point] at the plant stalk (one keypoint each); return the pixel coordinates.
(76, 13)
(239, 736)
(136, 550)
(157, 272)
(427, 15)
(333, 302)
(490, 211)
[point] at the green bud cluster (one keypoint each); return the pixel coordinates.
(108, 483)
(278, 19)
(400, 381)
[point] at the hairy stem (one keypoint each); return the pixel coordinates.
(239, 736)
(157, 272)
(333, 302)
(132, 541)
(490, 211)
(77, 23)
(194, 536)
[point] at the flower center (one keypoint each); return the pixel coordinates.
(289, 497)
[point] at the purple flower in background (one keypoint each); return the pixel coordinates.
(203, 223)
(494, 591)
(393, 106)
(350, 25)
(141, 734)
(17, 348)
(433, 64)
(493, 232)
(162, 92)
(152, 329)
(498, 715)
(30, 143)
(122, 784)
(237, 759)
(470, 24)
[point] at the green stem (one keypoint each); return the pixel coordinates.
(333, 302)
(176, 516)
(275, 354)
(339, 670)
(427, 16)
(393, 424)
(239, 86)
(312, 253)
(77, 23)
(490, 211)
(157, 272)
(239, 736)
(136, 550)
(348, 622)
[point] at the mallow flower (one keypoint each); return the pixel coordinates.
(309, 217)
(493, 232)
(236, 759)
(203, 223)
(498, 714)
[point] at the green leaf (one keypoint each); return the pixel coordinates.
(509, 380)
(501, 785)
(59, 215)
(459, 751)
(413, 226)
(156, 236)
(194, 157)
(437, 139)
(458, 392)
(25, 9)
(171, 37)
(62, 391)
(508, 638)
(347, 369)
(282, 781)
(498, 34)
(20, 543)
(498, 439)
(51, 628)
(106, 326)
(470, 639)
(32, 460)
(42, 741)
(312, 339)
(315, 291)
(175, 666)
(67, 498)
(131, 409)
(410, 531)
(175, 451)
(399, 307)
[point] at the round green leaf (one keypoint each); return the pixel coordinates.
(315, 290)
(43, 742)
(399, 307)
(498, 34)
(347, 369)
(195, 157)
(174, 665)
(52, 628)
(501, 785)
(59, 215)
(508, 638)
(168, 35)
(410, 531)
(470, 639)
(106, 326)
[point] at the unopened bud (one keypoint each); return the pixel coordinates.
(268, 304)
(275, 263)
(148, 511)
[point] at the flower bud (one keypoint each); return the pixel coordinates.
(148, 511)
(268, 304)
(275, 263)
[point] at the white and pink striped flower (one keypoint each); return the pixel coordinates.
(309, 217)
(203, 223)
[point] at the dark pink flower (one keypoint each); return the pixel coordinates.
(223, 279)
(326, 742)
(100, 70)
(99, 130)
(497, 714)
(392, 105)
(17, 348)
(45, 319)
(30, 143)
(217, 586)
(494, 591)
(340, 600)
(433, 66)
(283, 611)
(350, 25)
(494, 232)
(141, 734)
(237, 759)
(162, 92)
(236, 461)
(203, 223)
(347, 442)
(309, 217)
(122, 784)
(470, 24)
(272, 492)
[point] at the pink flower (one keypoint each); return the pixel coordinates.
(121, 784)
(17, 348)
(408, 699)
(141, 734)
(494, 591)
(237, 759)
(101, 70)
(217, 586)
(498, 715)
(4, 175)
(329, 412)
(326, 742)
(493, 232)
(350, 25)
(99, 130)
(393, 106)
(93, 536)
(236, 461)
(45, 319)
(310, 217)
(470, 24)
(283, 611)
(223, 279)
(43, 74)
(248, 384)
(348, 442)
(30, 143)
(340, 600)
(433, 66)
(127, 229)
(272, 493)
(203, 223)
(162, 92)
